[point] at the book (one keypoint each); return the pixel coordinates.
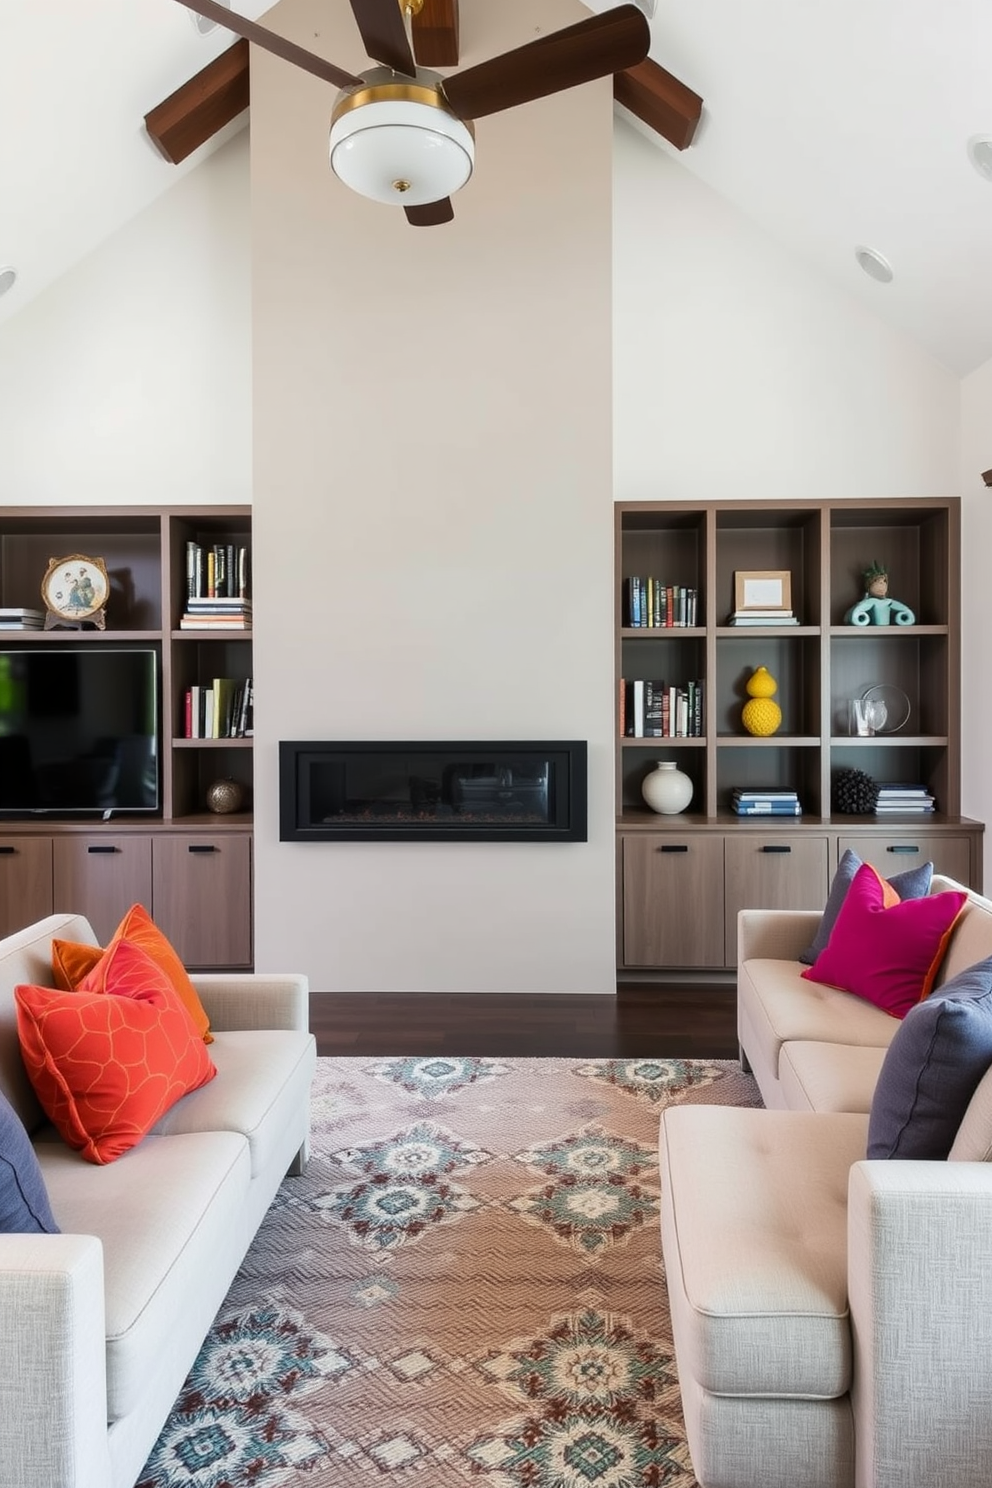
(740, 794)
(755, 620)
(773, 612)
(770, 808)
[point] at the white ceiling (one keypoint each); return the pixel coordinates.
(831, 123)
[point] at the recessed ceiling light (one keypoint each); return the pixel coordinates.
(874, 265)
(8, 278)
(202, 24)
(980, 154)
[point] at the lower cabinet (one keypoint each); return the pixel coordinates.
(680, 890)
(201, 890)
(25, 881)
(673, 899)
(197, 886)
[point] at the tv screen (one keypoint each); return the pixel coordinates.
(78, 730)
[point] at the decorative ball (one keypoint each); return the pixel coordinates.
(224, 796)
(853, 793)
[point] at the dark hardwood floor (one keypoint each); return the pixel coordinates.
(667, 1022)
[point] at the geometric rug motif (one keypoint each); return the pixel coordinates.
(478, 1304)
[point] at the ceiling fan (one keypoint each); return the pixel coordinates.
(403, 134)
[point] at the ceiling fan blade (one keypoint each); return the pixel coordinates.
(272, 42)
(384, 34)
(604, 44)
(431, 214)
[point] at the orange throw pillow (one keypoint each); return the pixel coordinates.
(106, 1064)
(72, 961)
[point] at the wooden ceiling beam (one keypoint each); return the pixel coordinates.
(660, 101)
(435, 34)
(196, 111)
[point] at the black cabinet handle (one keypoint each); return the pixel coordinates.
(902, 847)
(200, 847)
(774, 847)
(103, 848)
(6, 848)
(674, 847)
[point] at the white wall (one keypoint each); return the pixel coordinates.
(737, 373)
(129, 380)
(976, 611)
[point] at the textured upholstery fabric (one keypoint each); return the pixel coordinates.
(973, 1142)
(931, 1069)
(24, 1206)
(754, 1213)
(912, 884)
(107, 1063)
(169, 1214)
(885, 951)
(71, 963)
(829, 1077)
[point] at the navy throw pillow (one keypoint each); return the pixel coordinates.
(24, 1207)
(932, 1068)
(914, 883)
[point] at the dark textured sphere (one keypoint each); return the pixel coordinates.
(224, 796)
(853, 793)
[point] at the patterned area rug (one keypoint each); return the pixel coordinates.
(466, 1287)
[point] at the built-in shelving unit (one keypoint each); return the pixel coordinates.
(820, 665)
(191, 867)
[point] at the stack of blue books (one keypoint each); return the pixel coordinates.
(765, 802)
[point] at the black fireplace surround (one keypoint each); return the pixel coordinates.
(479, 791)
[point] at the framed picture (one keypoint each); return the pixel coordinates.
(763, 589)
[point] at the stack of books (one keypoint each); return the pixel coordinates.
(15, 618)
(652, 602)
(765, 802)
(763, 617)
(216, 613)
(913, 799)
(223, 710)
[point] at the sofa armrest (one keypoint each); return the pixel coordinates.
(53, 1389)
(240, 1000)
(775, 934)
(920, 1291)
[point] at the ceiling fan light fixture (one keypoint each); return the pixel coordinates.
(874, 264)
(397, 142)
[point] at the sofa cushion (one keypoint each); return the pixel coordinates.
(932, 1068)
(754, 1229)
(24, 1206)
(264, 1080)
(912, 884)
(973, 1142)
(883, 950)
(73, 963)
(171, 1216)
(106, 1064)
(829, 1077)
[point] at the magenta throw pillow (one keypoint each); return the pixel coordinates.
(886, 950)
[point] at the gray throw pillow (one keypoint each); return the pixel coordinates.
(932, 1068)
(24, 1207)
(914, 883)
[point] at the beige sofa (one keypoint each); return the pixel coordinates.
(100, 1324)
(832, 1316)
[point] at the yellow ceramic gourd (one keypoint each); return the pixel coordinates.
(761, 715)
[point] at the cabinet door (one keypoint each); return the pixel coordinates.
(25, 882)
(672, 899)
(202, 896)
(909, 848)
(102, 876)
(773, 870)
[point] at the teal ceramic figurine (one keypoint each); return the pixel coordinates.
(878, 607)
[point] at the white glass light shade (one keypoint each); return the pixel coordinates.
(401, 151)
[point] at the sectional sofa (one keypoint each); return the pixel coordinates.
(101, 1322)
(832, 1315)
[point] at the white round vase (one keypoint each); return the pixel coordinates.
(666, 789)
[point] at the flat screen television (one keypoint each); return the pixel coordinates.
(78, 730)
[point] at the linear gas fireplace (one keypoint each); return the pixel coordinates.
(459, 792)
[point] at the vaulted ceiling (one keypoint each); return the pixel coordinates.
(832, 126)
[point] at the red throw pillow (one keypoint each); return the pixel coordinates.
(107, 1063)
(72, 962)
(886, 950)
